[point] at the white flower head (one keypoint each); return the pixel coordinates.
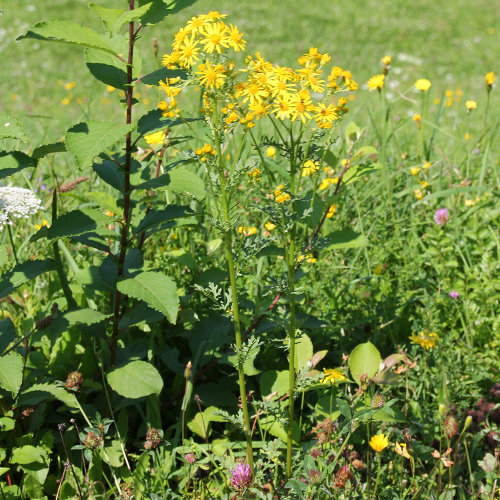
(16, 203)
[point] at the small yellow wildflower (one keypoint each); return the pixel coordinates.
(44, 223)
(211, 76)
(155, 138)
(327, 182)
(418, 193)
(386, 60)
(423, 84)
(216, 37)
(379, 442)
(65, 101)
(309, 168)
(376, 82)
(331, 375)
(417, 118)
(414, 170)
(247, 231)
(331, 211)
(310, 258)
(280, 196)
(255, 174)
(470, 105)
(490, 79)
(400, 449)
(426, 165)
(425, 340)
(467, 136)
(424, 183)
(469, 202)
(109, 88)
(269, 226)
(70, 85)
(271, 152)
(109, 213)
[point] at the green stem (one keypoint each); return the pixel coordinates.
(232, 279)
(12, 244)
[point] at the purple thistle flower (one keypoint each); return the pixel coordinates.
(241, 477)
(441, 216)
(454, 295)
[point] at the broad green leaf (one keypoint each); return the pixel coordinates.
(72, 224)
(106, 68)
(248, 366)
(29, 454)
(304, 352)
(7, 424)
(364, 360)
(352, 133)
(22, 273)
(7, 334)
(155, 218)
(162, 74)
(201, 422)
(14, 161)
(131, 15)
(114, 454)
(179, 180)
(67, 32)
(85, 317)
(110, 173)
(136, 380)
(347, 238)
(323, 408)
(274, 381)
(42, 392)
(154, 288)
(47, 149)
(154, 120)
(10, 128)
(274, 427)
(11, 372)
(106, 15)
(364, 151)
(105, 200)
(86, 140)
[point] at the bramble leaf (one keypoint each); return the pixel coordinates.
(10, 128)
(11, 372)
(22, 273)
(136, 380)
(14, 161)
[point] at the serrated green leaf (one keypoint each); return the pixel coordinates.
(156, 218)
(154, 288)
(136, 380)
(67, 32)
(154, 120)
(162, 74)
(106, 68)
(14, 161)
(110, 173)
(22, 273)
(106, 15)
(179, 180)
(47, 149)
(86, 140)
(7, 334)
(41, 392)
(347, 238)
(73, 223)
(364, 360)
(131, 15)
(10, 128)
(85, 317)
(11, 372)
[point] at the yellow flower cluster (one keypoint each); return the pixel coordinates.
(425, 340)
(331, 211)
(310, 167)
(254, 175)
(327, 182)
(281, 196)
(288, 94)
(310, 258)
(247, 231)
(206, 149)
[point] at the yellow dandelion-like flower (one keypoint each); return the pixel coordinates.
(253, 92)
(235, 38)
(269, 226)
(386, 60)
(259, 109)
(327, 182)
(417, 118)
(331, 211)
(425, 340)
(325, 114)
(490, 78)
(301, 106)
(376, 82)
(418, 193)
(379, 442)
(282, 108)
(470, 105)
(331, 375)
(194, 25)
(426, 165)
(69, 85)
(423, 84)
(188, 52)
(424, 183)
(414, 170)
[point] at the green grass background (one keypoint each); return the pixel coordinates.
(454, 44)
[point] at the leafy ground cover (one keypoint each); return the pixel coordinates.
(249, 281)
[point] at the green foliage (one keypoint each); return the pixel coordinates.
(135, 380)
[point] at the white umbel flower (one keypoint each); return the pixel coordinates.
(16, 203)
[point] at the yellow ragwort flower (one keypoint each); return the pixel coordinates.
(379, 442)
(423, 84)
(309, 168)
(331, 375)
(216, 37)
(425, 340)
(376, 82)
(211, 76)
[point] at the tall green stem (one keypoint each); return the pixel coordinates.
(290, 257)
(228, 243)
